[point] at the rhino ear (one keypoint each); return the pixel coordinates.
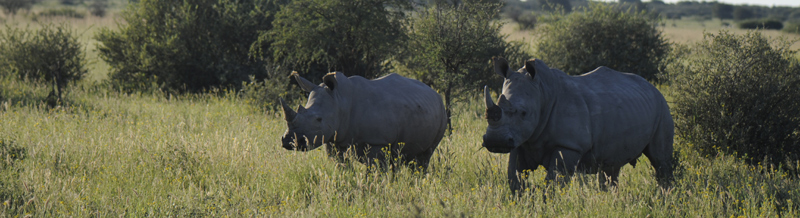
(529, 66)
(330, 81)
(500, 66)
(303, 82)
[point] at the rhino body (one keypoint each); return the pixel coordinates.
(593, 123)
(391, 113)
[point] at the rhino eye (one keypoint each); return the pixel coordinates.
(319, 119)
(523, 113)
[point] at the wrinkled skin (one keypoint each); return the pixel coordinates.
(592, 123)
(312, 125)
(368, 117)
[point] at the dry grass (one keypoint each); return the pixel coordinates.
(111, 154)
(684, 31)
(689, 30)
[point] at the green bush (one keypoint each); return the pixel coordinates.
(11, 7)
(264, 94)
(738, 94)
(792, 27)
(51, 54)
(356, 37)
(450, 48)
(769, 24)
(98, 7)
(62, 12)
(526, 20)
(602, 35)
(186, 45)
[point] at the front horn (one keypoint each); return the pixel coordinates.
(487, 97)
(288, 113)
(493, 112)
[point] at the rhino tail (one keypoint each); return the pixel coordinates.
(633, 162)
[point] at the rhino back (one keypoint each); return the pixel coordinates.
(625, 113)
(395, 109)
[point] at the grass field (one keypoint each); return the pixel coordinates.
(146, 154)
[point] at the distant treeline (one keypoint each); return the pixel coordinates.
(748, 16)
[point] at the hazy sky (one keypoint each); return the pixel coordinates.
(790, 3)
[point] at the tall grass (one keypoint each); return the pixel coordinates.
(108, 154)
(111, 154)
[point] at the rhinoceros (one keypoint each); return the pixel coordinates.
(391, 113)
(592, 123)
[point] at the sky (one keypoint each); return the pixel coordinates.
(789, 3)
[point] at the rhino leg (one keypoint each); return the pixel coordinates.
(518, 170)
(662, 162)
(420, 161)
(608, 176)
(659, 152)
(335, 152)
(374, 155)
(562, 163)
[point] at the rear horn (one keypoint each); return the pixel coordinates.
(288, 113)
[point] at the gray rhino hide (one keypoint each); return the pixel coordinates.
(390, 110)
(595, 122)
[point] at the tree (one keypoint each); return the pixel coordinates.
(51, 54)
(98, 7)
(186, 45)
(12, 6)
(356, 37)
(737, 94)
(450, 47)
(601, 35)
(722, 11)
(742, 13)
(556, 5)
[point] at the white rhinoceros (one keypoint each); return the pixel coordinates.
(593, 123)
(391, 113)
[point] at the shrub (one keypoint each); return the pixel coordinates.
(526, 20)
(738, 94)
(769, 24)
(51, 54)
(264, 94)
(12, 6)
(186, 45)
(62, 12)
(98, 8)
(450, 47)
(792, 27)
(356, 37)
(601, 35)
(71, 2)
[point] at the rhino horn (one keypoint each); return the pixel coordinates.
(288, 113)
(503, 102)
(493, 112)
(487, 97)
(303, 82)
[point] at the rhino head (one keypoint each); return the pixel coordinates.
(311, 126)
(514, 118)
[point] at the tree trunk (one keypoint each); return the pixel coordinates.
(448, 106)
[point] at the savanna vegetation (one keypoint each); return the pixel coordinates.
(171, 110)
